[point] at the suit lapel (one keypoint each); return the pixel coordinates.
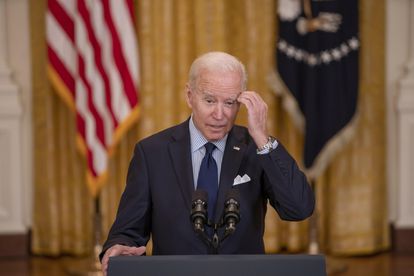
(180, 154)
(233, 155)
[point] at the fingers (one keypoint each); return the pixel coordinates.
(251, 99)
(104, 265)
(138, 251)
(256, 107)
(118, 250)
(257, 115)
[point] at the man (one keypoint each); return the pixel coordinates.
(168, 167)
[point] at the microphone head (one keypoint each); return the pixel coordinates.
(231, 210)
(198, 214)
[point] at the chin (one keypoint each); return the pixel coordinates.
(215, 137)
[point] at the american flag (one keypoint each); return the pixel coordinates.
(93, 65)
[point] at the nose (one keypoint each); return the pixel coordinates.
(218, 111)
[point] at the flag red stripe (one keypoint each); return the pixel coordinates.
(61, 16)
(78, 74)
(89, 154)
(62, 71)
(129, 86)
(130, 5)
(99, 125)
(97, 52)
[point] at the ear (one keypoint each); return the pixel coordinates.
(189, 95)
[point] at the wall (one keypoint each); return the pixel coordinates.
(400, 120)
(15, 127)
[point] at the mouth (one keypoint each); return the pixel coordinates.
(217, 127)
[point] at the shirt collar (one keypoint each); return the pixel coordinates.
(198, 140)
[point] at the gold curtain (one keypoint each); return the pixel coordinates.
(351, 195)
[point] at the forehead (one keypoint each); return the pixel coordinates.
(227, 84)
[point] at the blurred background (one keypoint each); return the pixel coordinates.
(56, 203)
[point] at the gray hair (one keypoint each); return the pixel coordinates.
(216, 61)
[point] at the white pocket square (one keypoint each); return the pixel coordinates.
(241, 179)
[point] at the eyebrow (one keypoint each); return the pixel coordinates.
(204, 93)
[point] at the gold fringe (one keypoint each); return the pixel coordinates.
(123, 128)
(61, 88)
(288, 101)
(94, 184)
(334, 145)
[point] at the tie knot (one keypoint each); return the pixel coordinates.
(209, 147)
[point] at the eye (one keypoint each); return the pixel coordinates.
(209, 100)
(229, 103)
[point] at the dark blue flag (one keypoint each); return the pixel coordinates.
(317, 62)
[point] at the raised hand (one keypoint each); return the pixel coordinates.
(257, 116)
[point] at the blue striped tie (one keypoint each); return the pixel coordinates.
(208, 178)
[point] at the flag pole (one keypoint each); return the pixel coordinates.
(314, 248)
(332, 266)
(91, 266)
(97, 233)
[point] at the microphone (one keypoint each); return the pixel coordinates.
(199, 210)
(231, 211)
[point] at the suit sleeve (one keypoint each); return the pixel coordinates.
(286, 185)
(133, 219)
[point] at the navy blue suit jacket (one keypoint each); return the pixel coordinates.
(157, 197)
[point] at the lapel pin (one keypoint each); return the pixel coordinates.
(236, 148)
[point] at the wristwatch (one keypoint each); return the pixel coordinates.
(268, 146)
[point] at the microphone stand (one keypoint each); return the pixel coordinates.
(214, 241)
(229, 219)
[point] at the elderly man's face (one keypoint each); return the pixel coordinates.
(214, 103)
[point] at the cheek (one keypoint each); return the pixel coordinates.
(202, 112)
(231, 114)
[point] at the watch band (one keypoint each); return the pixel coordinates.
(268, 146)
